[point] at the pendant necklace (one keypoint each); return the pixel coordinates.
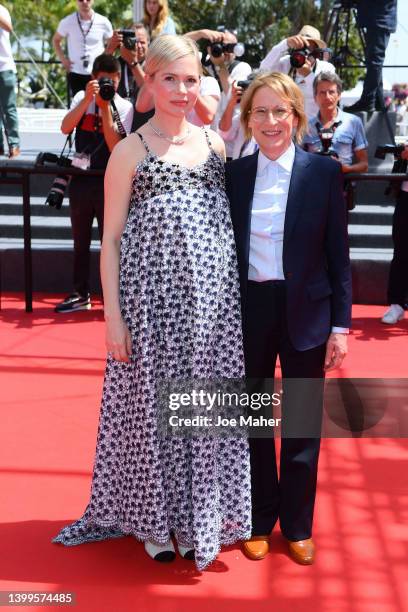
(177, 140)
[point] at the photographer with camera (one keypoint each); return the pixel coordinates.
(222, 64)
(101, 119)
(398, 275)
(302, 57)
(86, 33)
(230, 128)
(132, 44)
(334, 132)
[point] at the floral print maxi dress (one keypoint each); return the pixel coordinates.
(179, 297)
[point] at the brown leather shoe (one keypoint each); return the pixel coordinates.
(14, 152)
(257, 547)
(303, 551)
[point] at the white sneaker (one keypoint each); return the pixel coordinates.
(394, 314)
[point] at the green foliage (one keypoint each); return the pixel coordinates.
(260, 24)
(192, 15)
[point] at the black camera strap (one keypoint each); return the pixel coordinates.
(117, 120)
(68, 141)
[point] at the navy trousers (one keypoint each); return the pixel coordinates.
(289, 497)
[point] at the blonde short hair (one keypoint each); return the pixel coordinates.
(283, 86)
(169, 48)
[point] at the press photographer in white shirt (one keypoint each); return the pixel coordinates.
(279, 58)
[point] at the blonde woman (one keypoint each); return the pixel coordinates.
(171, 300)
(290, 228)
(157, 19)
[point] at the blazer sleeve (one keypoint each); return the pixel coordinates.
(337, 253)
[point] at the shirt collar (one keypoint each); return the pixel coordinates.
(339, 116)
(285, 161)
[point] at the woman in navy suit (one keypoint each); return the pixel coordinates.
(290, 228)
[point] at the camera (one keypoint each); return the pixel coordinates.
(61, 181)
(326, 138)
(129, 39)
(383, 150)
(106, 89)
(298, 57)
(400, 165)
(217, 49)
(244, 84)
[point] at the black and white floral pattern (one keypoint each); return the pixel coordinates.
(180, 298)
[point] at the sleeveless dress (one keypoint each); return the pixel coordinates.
(179, 296)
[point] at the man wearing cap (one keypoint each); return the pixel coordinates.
(278, 59)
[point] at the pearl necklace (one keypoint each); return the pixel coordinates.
(177, 140)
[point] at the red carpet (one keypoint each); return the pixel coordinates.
(51, 379)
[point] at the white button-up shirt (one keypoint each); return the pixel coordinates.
(268, 216)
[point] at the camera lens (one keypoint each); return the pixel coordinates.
(217, 49)
(57, 191)
(106, 89)
(298, 58)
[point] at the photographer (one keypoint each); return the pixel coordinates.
(133, 49)
(222, 65)
(230, 128)
(86, 33)
(343, 132)
(398, 275)
(280, 58)
(100, 123)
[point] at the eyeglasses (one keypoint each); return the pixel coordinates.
(260, 114)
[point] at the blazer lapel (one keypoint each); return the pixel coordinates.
(297, 188)
(244, 190)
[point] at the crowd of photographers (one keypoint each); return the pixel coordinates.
(106, 79)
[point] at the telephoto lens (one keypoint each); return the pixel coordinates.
(106, 89)
(57, 191)
(217, 49)
(298, 57)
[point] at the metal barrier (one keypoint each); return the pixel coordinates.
(16, 172)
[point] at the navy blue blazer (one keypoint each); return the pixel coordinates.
(316, 261)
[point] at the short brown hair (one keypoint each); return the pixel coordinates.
(284, 87)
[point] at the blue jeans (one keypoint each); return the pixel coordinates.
(8, 108)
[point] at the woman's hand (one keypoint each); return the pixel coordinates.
(118, 339)
(336, 350)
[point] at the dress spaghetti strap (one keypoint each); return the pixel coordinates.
(146, 146)
(207, 137)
